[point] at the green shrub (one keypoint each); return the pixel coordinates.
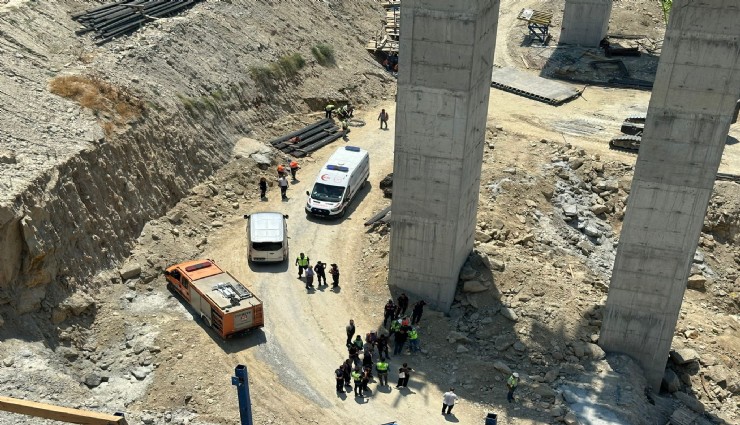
(285, 67)
(323, 53)
(262, 74)
(291, 64)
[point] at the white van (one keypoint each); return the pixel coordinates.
(340, 179)
(267, 236)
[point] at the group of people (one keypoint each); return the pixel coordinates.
(390, 63)
(318, 270)
(394, 311)
(360, 371)
(344, 112)
(282, 180)
(371, 355)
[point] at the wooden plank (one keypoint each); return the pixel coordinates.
(58, 413)
(535, 16)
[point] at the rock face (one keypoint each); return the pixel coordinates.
(78, 184)
(92, 205)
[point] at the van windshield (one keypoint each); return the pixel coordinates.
(267, 246)
(326, 193)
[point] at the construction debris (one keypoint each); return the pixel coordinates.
(387, 38)
(531, 86)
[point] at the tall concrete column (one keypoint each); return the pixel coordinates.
(691, 108)
(444, 81)
(585, 22)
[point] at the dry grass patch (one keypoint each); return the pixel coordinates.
(116, 105)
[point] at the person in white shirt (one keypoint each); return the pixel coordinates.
(448, 401)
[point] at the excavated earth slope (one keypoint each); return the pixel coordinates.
(146, 118)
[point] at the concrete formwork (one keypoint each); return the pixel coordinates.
(445, 62)
(691, 108)
(585, 22)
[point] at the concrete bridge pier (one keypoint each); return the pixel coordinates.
(444, 82)
(691, 108)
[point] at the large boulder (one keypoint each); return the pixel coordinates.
(468, 272)
(683, 356)
(474, 286)
(509, 314)
(498, 264)
(78, 302)
(670, 381)
(502, 367)
(130, 271)
(697, 282)
(544, 391)
(482, 236)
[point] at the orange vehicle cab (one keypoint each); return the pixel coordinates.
(217, 297)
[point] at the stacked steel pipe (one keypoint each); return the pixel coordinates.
(116, 19)
(310, 138)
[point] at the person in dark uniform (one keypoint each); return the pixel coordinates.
(320, 269)
(354, 355)
(334, 272)
(388, 311)
(400, 339)
(367, 362)
(382, 344)
(350, 331)
(366, 375)
(403, 304)
(339, 376)
(418, 311)
(347, 373)
(263, 187)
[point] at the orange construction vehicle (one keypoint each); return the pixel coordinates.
(221, 301)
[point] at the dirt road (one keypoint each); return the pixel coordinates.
(305, 329)
(292, 359)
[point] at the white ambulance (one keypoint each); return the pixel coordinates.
(341, 178)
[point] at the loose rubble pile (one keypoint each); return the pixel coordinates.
(549, 232)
